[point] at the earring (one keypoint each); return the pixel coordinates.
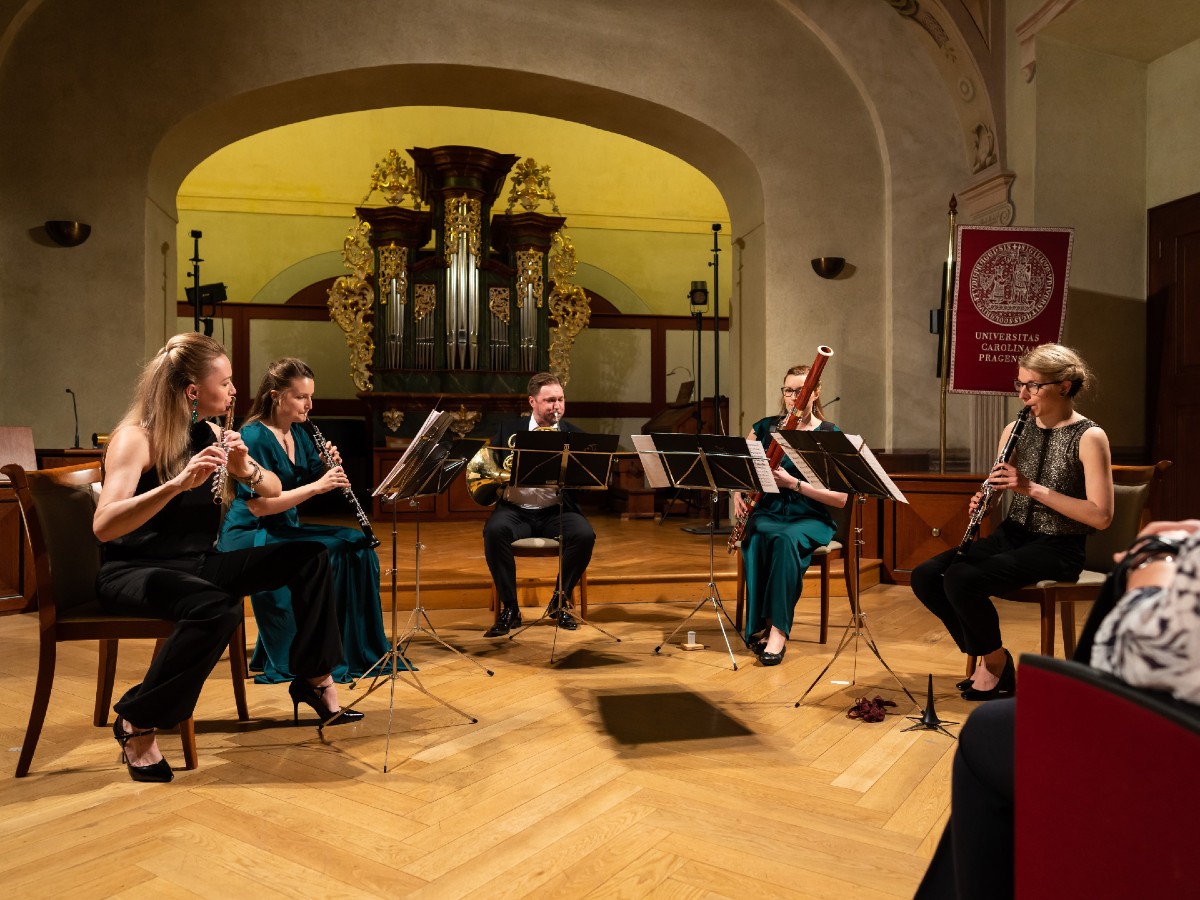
(1062, 393)
(195, 403)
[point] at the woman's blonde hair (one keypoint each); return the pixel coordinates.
(818, 410)
(160, 403)
(1059, 363)
(279, 377)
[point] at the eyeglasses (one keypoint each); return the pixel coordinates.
(1032, 386)
(791, 392)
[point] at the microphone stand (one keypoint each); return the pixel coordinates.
(196, 260)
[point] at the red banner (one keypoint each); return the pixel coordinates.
(1010, 294)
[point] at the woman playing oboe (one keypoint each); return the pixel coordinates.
(784, 530)
(157, 523)
(275, 435)
(1061, 476)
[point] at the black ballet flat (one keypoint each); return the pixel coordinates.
(156, 773)
(964, 685)
(1006, 687)
(772, 659)
(303, 692)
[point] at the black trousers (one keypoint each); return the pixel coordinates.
(958, 590)
(974, 859)
(508, 523)
(203, 596)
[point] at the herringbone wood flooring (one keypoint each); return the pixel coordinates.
(614, 773)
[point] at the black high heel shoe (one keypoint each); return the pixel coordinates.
(158, 773)
(767, 658)
(303, 692)
(1006, 687)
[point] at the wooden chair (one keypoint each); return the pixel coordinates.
(57, 506)
(822, 556)
(542, 548)
(1131, 492)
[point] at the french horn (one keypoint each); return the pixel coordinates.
(487, 479)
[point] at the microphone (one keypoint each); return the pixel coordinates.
(75, 409)
(831, 402)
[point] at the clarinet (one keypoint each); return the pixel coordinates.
(364, 523)
(221, 475)
(987, 490)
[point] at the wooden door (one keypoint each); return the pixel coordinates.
(1173, 353)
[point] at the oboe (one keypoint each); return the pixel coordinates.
(364, 523)
(987, 490)
(221, 475)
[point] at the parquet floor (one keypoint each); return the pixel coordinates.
(615, 772)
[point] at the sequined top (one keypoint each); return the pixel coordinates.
(1050, 457)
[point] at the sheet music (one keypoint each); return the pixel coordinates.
(762, 467)
(801, 463)
(869, 458)
(656, 474)
(431, 421)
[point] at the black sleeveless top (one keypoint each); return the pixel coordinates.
(187, 526)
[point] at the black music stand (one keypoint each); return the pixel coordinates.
(715, 463)
(562, 460)
(427, 468)
(844, 462)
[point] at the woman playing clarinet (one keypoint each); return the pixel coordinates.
(784, 530)
(275, 435)
(157, 523)
(1060, 474)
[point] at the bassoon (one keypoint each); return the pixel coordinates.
(987, 490)
(775, 454)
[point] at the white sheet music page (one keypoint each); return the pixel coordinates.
(798, 461)
(652, 465)
(429, 422)
(762, 467)
(865, 452)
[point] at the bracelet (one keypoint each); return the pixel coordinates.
(255, 476)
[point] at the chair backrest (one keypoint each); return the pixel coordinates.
(1128, 502)
(16, 447)
(1131, 494)
(58, 506)
(1103, 775)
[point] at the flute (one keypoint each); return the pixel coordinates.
(987, 490)
(221, 475)
(364, 523)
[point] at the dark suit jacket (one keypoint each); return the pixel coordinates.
(510, 425)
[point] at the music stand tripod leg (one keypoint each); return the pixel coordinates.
(857, 623)
(394, 654)
(713, 596)
(560, 595)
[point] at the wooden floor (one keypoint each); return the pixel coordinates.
(615, 772)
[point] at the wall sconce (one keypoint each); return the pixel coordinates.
(67, 234)
(698, 297)
(828, 266)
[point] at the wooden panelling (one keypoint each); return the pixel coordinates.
(934, 519)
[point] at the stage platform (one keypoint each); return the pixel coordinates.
(635, 561)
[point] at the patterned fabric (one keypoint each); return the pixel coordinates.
(1151, 638)
(1050, 457)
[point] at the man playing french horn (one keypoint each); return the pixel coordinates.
(533, 512)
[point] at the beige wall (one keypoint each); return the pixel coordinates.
(1173, 126)
(824, 126)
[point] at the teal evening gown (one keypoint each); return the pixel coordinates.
(781, 536)
(355, 566)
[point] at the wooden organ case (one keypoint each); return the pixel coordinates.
(452, 304)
